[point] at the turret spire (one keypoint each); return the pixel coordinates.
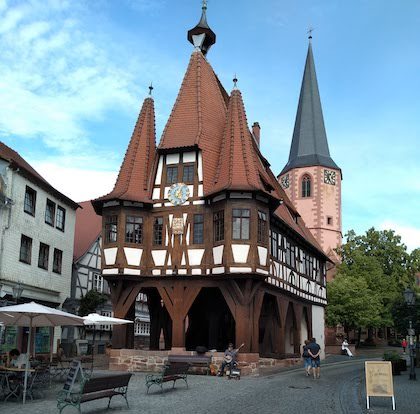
(309, 142)
(201, 36)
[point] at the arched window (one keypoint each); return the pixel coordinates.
(306, 186)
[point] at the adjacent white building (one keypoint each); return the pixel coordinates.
(36, 242)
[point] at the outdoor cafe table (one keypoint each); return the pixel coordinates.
(10, 387)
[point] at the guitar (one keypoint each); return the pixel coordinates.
(228, 358)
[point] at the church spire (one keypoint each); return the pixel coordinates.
(309, 143)
(201, 36)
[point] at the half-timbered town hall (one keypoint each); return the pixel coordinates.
(200, 224)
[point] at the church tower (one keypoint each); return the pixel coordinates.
(311, 178)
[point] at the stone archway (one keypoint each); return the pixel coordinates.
(210, 321)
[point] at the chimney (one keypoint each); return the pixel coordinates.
(256, 132)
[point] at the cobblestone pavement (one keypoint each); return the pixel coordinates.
(339, 390)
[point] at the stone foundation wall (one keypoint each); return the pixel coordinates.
(153, 361)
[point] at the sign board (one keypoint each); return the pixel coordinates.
(379, 380)
(411, 332)
(75, 367)
(177, 225)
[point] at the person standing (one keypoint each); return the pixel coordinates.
(404, 344)
(306, 358)
(314, 351)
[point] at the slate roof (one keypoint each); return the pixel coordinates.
(133, 179)
(26, 170)
(87, 230)
(309, 143)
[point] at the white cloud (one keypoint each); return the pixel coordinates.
(410, 236)
(77, 183)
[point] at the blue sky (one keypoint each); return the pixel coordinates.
(73, 75)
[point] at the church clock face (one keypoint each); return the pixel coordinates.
(285, 181)
(329, 177)
(178, 194)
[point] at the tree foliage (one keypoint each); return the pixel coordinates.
(374, 271)
(90, 302)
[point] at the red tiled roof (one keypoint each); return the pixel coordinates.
(25, 169)
(133, 179)
(87, 230)
(198, 116)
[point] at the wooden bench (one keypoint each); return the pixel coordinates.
(171, 372)
(197, 360)
(95, 388)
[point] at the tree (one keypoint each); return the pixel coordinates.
(90, 302)
(354, 299)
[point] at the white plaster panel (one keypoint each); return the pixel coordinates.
(172, 159)
(132, 272)
(158, 178)
(182, 271)
(218, 254)
(168, 271)
(110, 255)
(168, 205)
(199, 202)
(195, 256)
(188, 235)
(262, 254)
(157, 205)
(207, 271)
(262, 271)
(165, 193)
(171, 216)
(188, 157)
(240, 252)
(156, 272)
(277, 266)
(191, 189)
(133, 256)
(109, 271)
(159, 257)
(240, 270)
(218, 270)
(156, 194)
(183, 262)
(167, 236)
(200, 167)
(200, 190)
(196, 272)
(169, 261)
(184, 217)
(318, 327)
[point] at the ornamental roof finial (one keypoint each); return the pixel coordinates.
(201, 36)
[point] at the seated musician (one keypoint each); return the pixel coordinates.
(229, 358)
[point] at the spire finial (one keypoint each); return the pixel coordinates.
(204, 6)
(150, 89)
(235, 81)
(309, 32)
(201, 36)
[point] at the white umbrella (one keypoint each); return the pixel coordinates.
(33, 315)
(96, 320)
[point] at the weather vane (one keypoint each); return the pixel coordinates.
(235, 81)
(309, 32)
(150, 89)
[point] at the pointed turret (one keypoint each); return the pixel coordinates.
(198, 115)
(241, 165)
(309, 143)
(132, 182)
(201, 36)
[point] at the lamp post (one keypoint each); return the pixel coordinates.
(410, 299)
(17, 291)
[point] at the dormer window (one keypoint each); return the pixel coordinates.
(188, 174)
(306, 186)
(171, 175)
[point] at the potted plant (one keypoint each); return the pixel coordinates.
(396, 361)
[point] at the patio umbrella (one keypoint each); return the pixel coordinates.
(96, 320)
(34, 315)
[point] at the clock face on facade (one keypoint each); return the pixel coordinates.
(285, 182)
(178, 194)
(329, 177)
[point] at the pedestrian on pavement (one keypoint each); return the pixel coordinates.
(306, 358)
(314, 351)
(404, 344)
(345, 348)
